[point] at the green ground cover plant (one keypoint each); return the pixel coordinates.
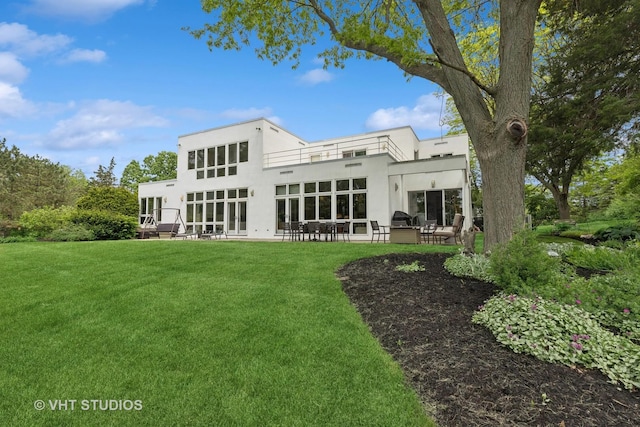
(606, 307)
(560, 333)
(200, 332)
(410, 268)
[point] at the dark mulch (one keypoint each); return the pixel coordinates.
(463, 376)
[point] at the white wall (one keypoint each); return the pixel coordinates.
(455, 145)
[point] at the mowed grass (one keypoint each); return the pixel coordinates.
(220, 333)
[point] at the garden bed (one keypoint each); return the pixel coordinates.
(461, 373)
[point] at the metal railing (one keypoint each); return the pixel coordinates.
(319, 152)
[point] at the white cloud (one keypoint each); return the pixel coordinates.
(102, 123)
(11, 70)
(18, 38)
(12, 104)
(425, 115)
(92, 10)
(85, 55)
(316, 76)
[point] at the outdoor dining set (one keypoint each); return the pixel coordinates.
(316, 230)
(400, 231)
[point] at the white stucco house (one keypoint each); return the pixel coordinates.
(248, 179)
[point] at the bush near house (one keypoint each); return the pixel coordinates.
(104, 213)
(41, 222)
(106, 225)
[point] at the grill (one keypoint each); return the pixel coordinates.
(401, 219)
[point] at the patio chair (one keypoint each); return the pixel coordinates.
(427, 230)
(454, 230)
(342, 228)
(313, 229)
(286, 231)
(379, 230)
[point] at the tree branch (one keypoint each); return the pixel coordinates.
(489, 90)
(424, 70)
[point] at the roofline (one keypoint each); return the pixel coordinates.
(465, 134)
(373, 132)
(259, 119)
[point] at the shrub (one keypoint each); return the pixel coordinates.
(602, 257)
(560, 227)
(523, 266)
(622, 232)
(615, 299)
(17, 239)
(106, 225)
(9, 227)
(71, 233)
(624, 207)
(111, 199)
(475, 266)
(560, 334)
(40, 222)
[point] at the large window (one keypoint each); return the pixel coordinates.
(437, 205)
(218, 161)
(150, 210)
(317, 201)
(219, 210)
(327, 200)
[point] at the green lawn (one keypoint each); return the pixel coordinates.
(200, 332)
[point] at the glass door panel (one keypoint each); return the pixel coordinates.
(231, 217)
(434, 206)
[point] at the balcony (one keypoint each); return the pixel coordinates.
(318, 152)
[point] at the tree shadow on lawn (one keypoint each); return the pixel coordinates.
(461, 373)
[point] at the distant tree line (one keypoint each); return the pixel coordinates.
(31, 182)
(45, 200)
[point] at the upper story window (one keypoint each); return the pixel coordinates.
(218, 161)
(354, 153)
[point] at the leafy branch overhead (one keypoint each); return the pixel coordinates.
(384, 29)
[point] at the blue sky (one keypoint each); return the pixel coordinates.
(82, 81)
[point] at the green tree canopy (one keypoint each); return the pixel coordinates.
(116, 200)
(162, 166)
(588, 97)
(104, 176)
(30, 182)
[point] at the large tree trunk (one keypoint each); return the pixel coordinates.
(499, 137)
(562, 202)
(502, 187)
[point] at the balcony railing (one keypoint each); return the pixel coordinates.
(319, 152)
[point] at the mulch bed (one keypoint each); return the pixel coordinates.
(461, 373)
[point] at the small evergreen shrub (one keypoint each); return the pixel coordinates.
(523, 266)
(107, 225)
